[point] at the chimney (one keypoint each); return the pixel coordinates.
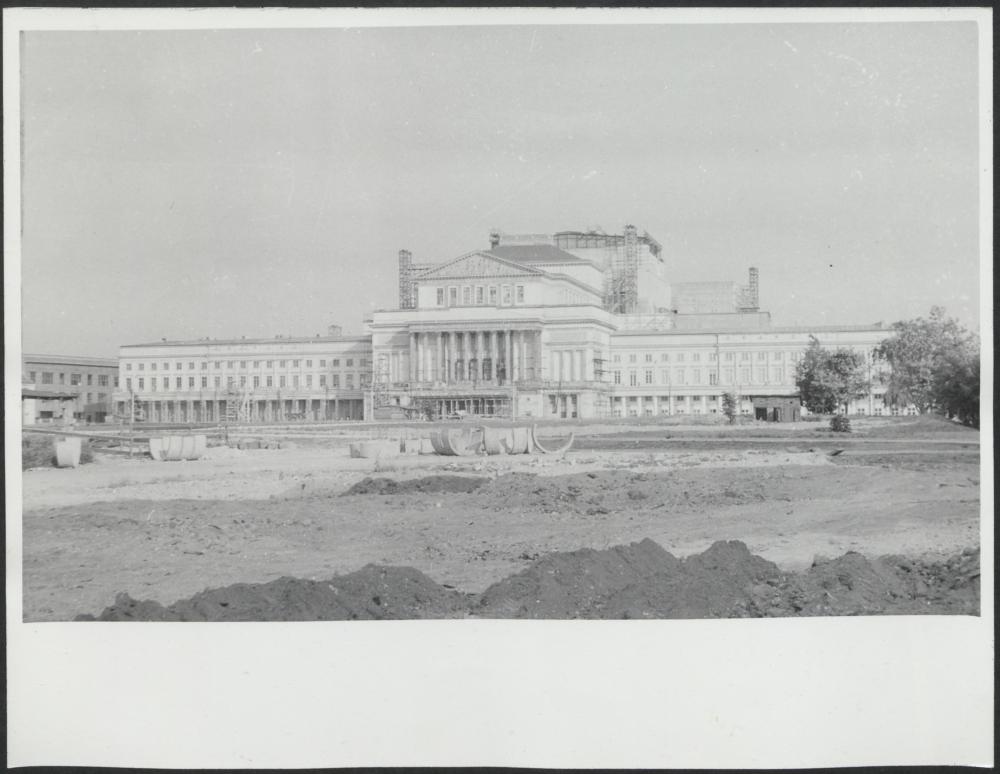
(754, 288)
(494, 238)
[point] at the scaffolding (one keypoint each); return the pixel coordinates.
(748, 299)
(406, 285)
(621, 275)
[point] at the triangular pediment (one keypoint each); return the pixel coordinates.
(477, 265)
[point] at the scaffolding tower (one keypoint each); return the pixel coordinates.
(621, 278)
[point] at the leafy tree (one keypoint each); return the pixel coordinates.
(729, 406)
(933, 364)
(830, 378)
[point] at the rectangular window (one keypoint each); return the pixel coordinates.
(777, 355)
(493, 295)
(128, 384)
(142, 366)
(680, 357)
(204, 382)
(696, 357)
(349, 362)
(618, 377)
(466, 295)
(744, 356)
(762, 356)
(166, 366)
(440, 296)
(713, 357)
(309, 364)
(729, 375)
(218, 382)
(270, 381)
(649, 358)
(243, 381)
(281, 381)
(296, 363)
(152, 383)
(616, 358)
(505, 295)
(452, 296)
(204, 365)
(309, 380)
(230, 363)
(322, 380)
(335, 380)
(191, 382)
(128, 366)
(349, 381)
(179, 382)
(480, 295)
(745, 375)
(665, 376)
(761, 375)
(633, 378)
(713, 378)
(696, 375)
(295, 380)
(191, 366)
(281, 363)
(322, 364)
(179, 366)
(62, 378)
(649, 376)
(519, 297)
(102, 380)
(336, 363)
(142, 383)
(679, 376)
(256, 381)
(116, 381)
(152, 366)
(74, 379)
(90, 380)
(218, 364)
(664, 357)
(632, 358)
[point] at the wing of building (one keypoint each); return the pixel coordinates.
(564, 325)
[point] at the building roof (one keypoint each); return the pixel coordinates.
(231, 342)
(534, 254)
(30, 392)
(70, 360)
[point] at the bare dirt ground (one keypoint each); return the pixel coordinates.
(164, 531)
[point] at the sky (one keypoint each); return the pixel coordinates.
(226, 183)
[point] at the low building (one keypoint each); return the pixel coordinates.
(67, 389)
(247, 380)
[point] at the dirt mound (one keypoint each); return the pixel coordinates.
(371, 593)
(638, 580)
(427, 484)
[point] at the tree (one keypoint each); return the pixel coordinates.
(830, 378)
(729, 406)
(934, 365)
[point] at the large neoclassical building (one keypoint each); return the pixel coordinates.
(565, 325)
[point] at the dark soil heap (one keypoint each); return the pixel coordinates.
(390, 486)
(639, 580)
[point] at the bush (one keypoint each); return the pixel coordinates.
(840, 424)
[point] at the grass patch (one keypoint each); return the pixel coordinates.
(39, 451)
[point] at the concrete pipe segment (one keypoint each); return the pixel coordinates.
(544, 450)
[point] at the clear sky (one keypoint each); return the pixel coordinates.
(261, 182)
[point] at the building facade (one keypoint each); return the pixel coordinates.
(561, 326)
(246, 380)
(64, 389)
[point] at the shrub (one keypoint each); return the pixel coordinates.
(840, 424)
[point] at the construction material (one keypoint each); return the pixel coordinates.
(173, 448)
(544, 450)
(373, 450)
(67, 453)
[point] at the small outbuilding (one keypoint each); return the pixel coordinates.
(777, 408)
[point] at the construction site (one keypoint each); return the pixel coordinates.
(672, 518)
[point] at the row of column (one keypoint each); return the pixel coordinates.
(571, 365)
(260, 410)
(496, 356)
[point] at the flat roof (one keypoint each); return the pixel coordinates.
(70, 360)
(231, 342)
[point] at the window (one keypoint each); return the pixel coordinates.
(349, 381)
(309, 380)
(142, 366)
(204, 365)
(744, 356)
(665, 376)
(713, 378)
(729, 375)
(256, 364)
(649, 358)
(102, 380)
(142, 384)
(322, 380)
(322, 364)
(335, 380)
(616, 358)
(230, 381)
(166, 366)
(296, 363)
(713, 357)
(777, 355)
(452, 296)
(295, 380)
(493, 295)
(680, 357)
(190, 382)
(128, 384)
(243, 381)
(762, 356)
(466, 295)
(204, 382)
(90, 380)
(218, 382)
(649, 376)
(152, 366)
(679, 376)
(62, 378)
(281, 381)
(152, 383)
(440, 296)
(728, 356)
(664, 357)
(696, 375)
(116, 381)
(505, 295)
(191, 366)
(281, 363)
(179, 382)
(336, 363)
(166, 382)
(349, 362)
(179, 366)
(632, 358)
(745, 375)
(480, 295)
(128, 366)
(519, 297)
(761, 375)
(270, 381)
(74, 379)
(633, 378)
(777, 375)
(256, 381)
(230, 363)
(696, 357)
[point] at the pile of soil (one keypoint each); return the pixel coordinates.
(639, 580)
(427, 484)
(371, 593)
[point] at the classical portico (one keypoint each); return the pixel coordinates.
(471, 356)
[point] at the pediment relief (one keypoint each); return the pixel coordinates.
(476, 265)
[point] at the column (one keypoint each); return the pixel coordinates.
(479, 337)
(554, 374)
(494, 355)
(508, 360)
(588, 364)
(466, 354)
(413, 358)
(428, 358)
(450, 358)
(439, 372)
(522, 358)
